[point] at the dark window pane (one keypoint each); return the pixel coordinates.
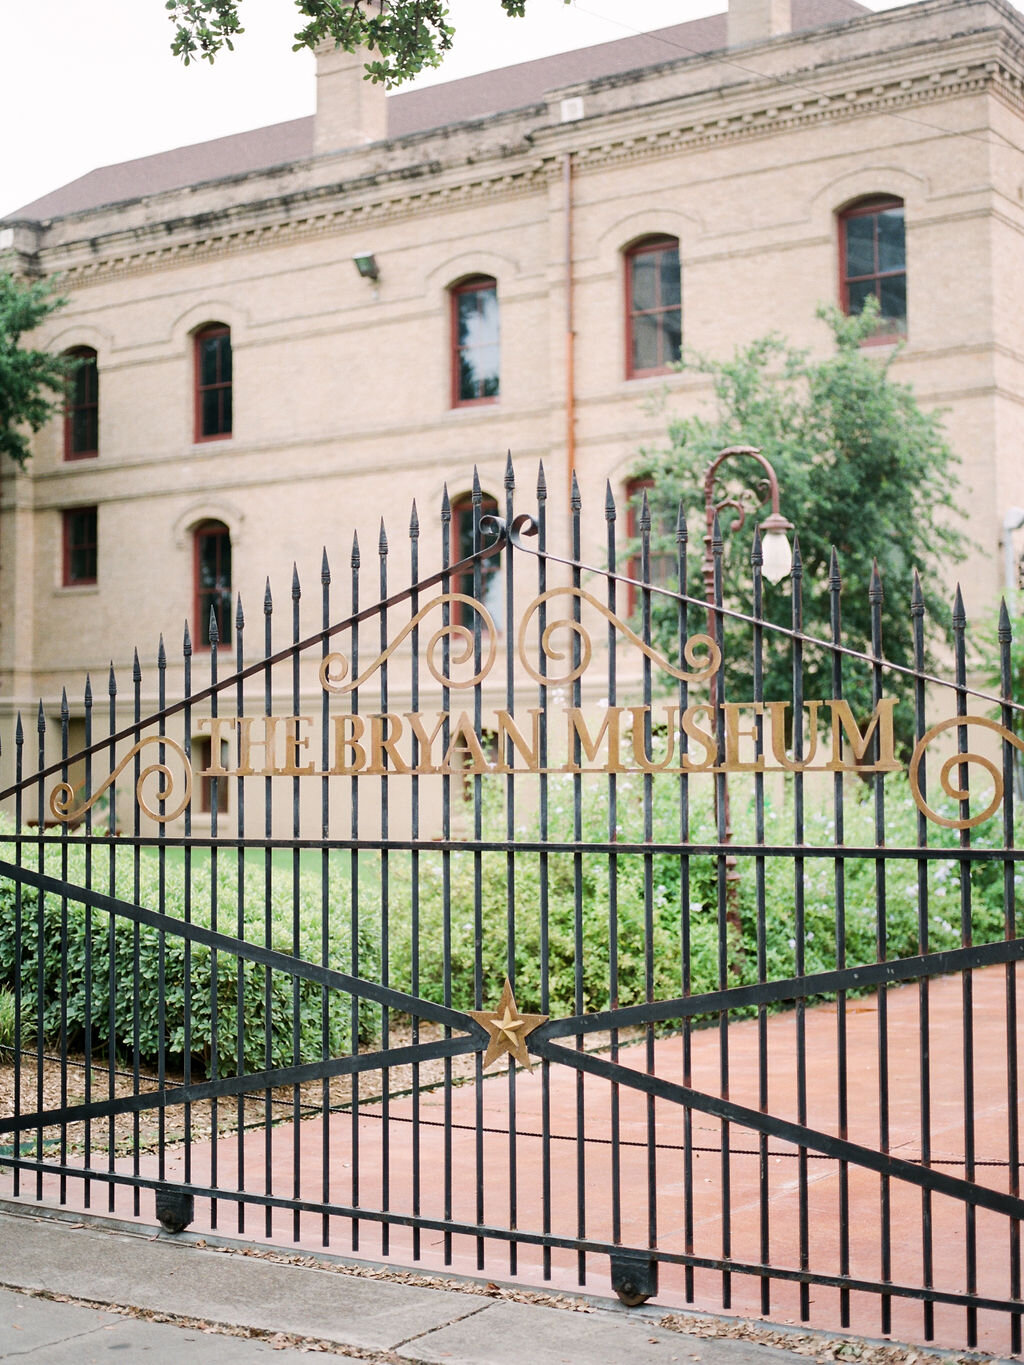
(225, 411)
(224, 358)
(860, 245)
(893, 298)
(645, 280)
(80, 538)
(859, 291)
(670, 296)
(478, 352)
(671, 323)
(211, 412)
(208, 360)
(891, 243)
(645, 343)
(83, 430)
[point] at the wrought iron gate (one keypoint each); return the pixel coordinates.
(272, 918)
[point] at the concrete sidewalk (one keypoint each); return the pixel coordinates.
(259, 1307)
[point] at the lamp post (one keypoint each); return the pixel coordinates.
(777, 562)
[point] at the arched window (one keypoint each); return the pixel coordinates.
(873, 261)
(82, 406)
(213, 382)
(212, 541)
(476, 349)
(491, 590)
(654, 327)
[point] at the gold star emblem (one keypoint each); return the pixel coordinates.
(508, 1028)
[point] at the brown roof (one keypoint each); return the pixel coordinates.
(414, 111)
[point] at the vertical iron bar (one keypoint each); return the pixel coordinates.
(296, 912)
(385, 921)
(19, 772)
(414, 908)
(240, 861)
(923, 1000)
(613, 873)
(478, 924)
(325, 901)
(136, 934)
(722, 889)
(835, 587)
(112, 937)
(764, 1186)
(510, 859)
(41, 951)
(268, 903)
(543, 869)
(1005, 635)
(648, 868)
(577, 888)
(446, 857)
(354, 894)
(63, 1148)
(186, 655)
(214, 1067)
(161, 971)
(799, 921)
(685, 923)
(967, 978)
(88, 1041)
(885, 1209)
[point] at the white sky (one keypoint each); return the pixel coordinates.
(86, 83)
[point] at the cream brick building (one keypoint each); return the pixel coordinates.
(530, 194)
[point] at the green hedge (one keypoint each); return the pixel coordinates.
(64, 962)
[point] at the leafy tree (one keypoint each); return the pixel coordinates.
(32, 382)
(408, 35)
(860, 467)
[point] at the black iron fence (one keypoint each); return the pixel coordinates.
(746, 964)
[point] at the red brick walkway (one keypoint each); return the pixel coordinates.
(595, 1156)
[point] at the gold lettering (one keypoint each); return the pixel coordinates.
(590, 746)
(385, 729)
(465, 738)
(644, 763)
(777, 710)
(293, 743)
(246, 744)
(881, 722)
(347, 730)
(217, 724)
(507, 728)
(704, 738)
(425, 762)
(733, 735)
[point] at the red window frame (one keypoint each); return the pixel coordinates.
(219, 595)
(80, 537)
(82, 405)
(479, 285)
(221, 386)
(651, 246)
(864, 208)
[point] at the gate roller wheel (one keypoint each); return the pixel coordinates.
(630, 1295)
(174, 1209)
(634, 1277)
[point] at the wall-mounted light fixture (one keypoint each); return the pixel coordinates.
(366, 263)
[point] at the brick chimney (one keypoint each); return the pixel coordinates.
(751, 21)
(350, 111)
